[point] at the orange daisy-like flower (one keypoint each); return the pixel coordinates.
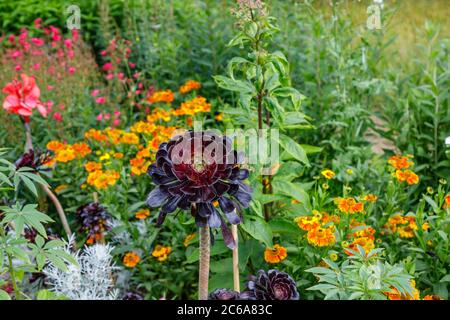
(55, 146)
(328, 174)
(365, 242)
(161, 96)
(409, 176)
(431, 297)
(131, 259)
(189, 238)
(161, 253)
(92, 166)
(307, 222)
(321, 236)
(65, 155)
(142, 214)
(94, 134)
(275, 254)
(81, 149)
(447, 201)
(400, 162)
(370, 198)
(189, 86)
(129, 138)
(349, 205)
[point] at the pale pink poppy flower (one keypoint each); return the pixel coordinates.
(23, 97)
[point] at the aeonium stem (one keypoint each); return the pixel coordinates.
(203, 279)
(236, 282)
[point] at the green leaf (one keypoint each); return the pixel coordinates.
(234, 85)
(292, 190)
(283, 226)
(4, 295)
(293, 148)
(258, 229)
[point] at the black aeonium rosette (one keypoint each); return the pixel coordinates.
(270, 285)
(223, 294)
(36, 160)
(200, 171)
(93, 218)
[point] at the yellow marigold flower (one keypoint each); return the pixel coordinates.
(321, 236)
(139, 166)
(370, 198)
(105, 157)
(333, 256)
(426, 226)
(400, 162)
(61, 187)
(55, 146)
(129, 138)
(161, 96)
(328, 174)
(103, 179)
(161, 252)
(189, 238)
(307, 222)
(142, 214)
(131, 259)
(190, 85)
(192, 107)
(394, 294)
(65, 155)
(275, 254)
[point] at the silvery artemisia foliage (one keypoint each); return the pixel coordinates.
(92, 280)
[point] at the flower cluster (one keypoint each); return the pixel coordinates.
(320, 227)
(189, 86)
(161, 253)
(364, 237)
(349, 205)
(394, 294)
(68, 152)
(402, 173)
(404, 226)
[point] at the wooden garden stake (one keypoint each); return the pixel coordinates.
(236, 282)
(203, 278)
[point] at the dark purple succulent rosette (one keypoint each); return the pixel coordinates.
(223, 294)
(34, 160)
(93, 218)
(200, 171)
(270, 285)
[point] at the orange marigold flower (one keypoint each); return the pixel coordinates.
(349, 205)
(275, 254)
(61, 187)
(307, 222)
(95, 134)
(65, 155)
(55, 145)
(81, 149)
(432, 297)
(161, 252)
(131, 259)
(447, 201)
(118, 155)
(189, 86)
(321, 236)
(142, 214)
(365, 242)
(161, 96)
(189, 238)
(370, 198)
(400, 162)
(91, 166)
(129, 138)
(328, 174)
(219, 117)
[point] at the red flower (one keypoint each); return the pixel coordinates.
(23, 97)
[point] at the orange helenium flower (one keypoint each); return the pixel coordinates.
(321, 236)
(275, 254)
(142, 214)
(189, 86)
(131, 259)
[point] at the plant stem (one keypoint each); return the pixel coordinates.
(236, 282)
(13, 277)
(204, 253)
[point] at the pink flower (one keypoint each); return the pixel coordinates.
(68, 43)
(61, 106)
(103, 53)
(100, 100)
(11, 38)
(116, 114)
(16, 54)
(50, 88)
(95, 92)
(37, 53)
(116, 122)
(57, 116)
(109, 76)
(18, 67)
(121, 76)
(71, 70)
(75, 35)
(36, 66)
(23, 97)
(107, 66)
(107, 116)
(99, 117)
(132, 65)
(37, 23)
(70, 54)
(38, 41)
